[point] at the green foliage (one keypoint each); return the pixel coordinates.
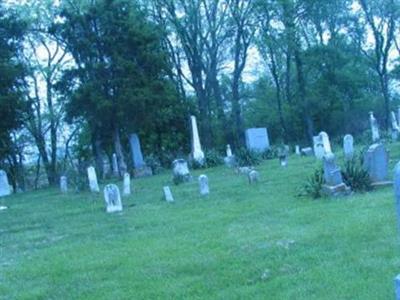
(154, 163)
(247, 157)
(313, 186)
(355, 176)
(213, 158)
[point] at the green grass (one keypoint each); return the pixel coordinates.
(241, 242)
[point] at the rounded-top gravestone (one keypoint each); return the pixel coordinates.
(112, 198)
(203, 185)
(348, 146)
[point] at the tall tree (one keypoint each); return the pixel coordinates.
(120, 82)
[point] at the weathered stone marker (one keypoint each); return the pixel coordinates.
(203, 185)
(93, 184)
(254, 177)
(325, 142)
(334, 185)
(168, 194)
(180, 171)
(348, 146)
(197, 152)
(127, 184)
(283, 154)
(140, 167)
(397, 199)
(64, 184)
(308, 151)
(297, 150)
(229, 159)
(115, 165)
(376, 162)
(112, 198)
(257, 139)
(5, 189)
(374, 127)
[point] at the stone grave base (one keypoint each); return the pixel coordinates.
(230, 161)
(142, 172)
(336, 191)
(382, 184)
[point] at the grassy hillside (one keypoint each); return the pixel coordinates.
(241, 242)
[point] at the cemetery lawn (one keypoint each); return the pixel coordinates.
(241, 242)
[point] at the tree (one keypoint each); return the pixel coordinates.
(11, 104)
(120, 82)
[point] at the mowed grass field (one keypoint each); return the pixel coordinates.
(241, 242)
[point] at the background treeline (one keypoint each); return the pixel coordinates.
(78, 77)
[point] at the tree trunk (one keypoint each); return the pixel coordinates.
(118, 151)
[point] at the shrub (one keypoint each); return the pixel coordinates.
(154, 163)
(247, 157)
(213, 158)
(271, 153)
(313, 186)
(355, 176)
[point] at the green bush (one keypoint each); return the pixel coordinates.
(271, 153)
(355, 176)
(154, 163)
(247, 157)
(213, 158)
(313, 186)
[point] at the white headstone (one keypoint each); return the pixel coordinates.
(64, 184)
(228, 151)
(348, 147)
(253, 176)
(127, 184)
(257, 139)
(180, 171)
(115, 165)
(319, 151)
(197, 152)
(325, 142)
(298, 152)
(93, 184)
(376, 162)
(203, 185)
(5, 189)
(168, 194)
(374, 127)
(112, 198)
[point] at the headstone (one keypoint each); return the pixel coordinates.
(374, 127)
(197, 152)
(203, 185)
(254, 177)
(140, 168)
(397, 199)
(319, 150)
(308, 151)
(229, 159)
(5, 189)
(64, 184)
(180, 171)
(106, 167)
(127, 184)
(115, 165)
(244, 170)
(297, 150)
(168, 194)
(257, 139)
(325, 142)
(93, 184)
(333, 181)
(112, 198)
(376, 162)
(348, 147)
